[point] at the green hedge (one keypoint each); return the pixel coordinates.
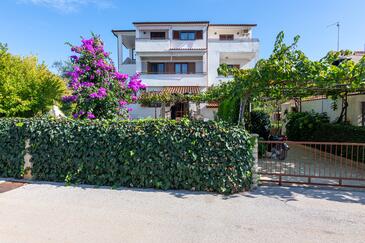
(309, 126)
(164, 154)
(12, 148)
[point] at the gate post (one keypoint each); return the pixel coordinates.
(255, 153)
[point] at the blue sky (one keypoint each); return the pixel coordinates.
(42, 27)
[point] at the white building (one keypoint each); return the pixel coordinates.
(183, 57)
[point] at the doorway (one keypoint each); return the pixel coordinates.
(179, 110)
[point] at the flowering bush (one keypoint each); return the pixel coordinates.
(98, 89)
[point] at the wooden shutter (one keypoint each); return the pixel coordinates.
(176, 35)
(191, 67)
(149, 67)
(170, 67)
(199, 35)
(236, 66)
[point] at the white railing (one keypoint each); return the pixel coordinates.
(199, 79)
(151, 45)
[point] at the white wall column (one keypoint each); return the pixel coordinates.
(120, 51)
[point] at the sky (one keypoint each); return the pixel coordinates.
(41, 27)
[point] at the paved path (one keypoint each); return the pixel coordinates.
(54, 213)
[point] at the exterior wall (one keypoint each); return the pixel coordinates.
(153, 80)
(236, 31)
(144, 44)
(139, 112)
(208, 113)
(208, 53)
(243, 53)
(324, 105)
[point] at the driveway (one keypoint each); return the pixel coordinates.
(55, 213)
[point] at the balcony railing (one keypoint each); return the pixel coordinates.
(174, 73)
(234, 40)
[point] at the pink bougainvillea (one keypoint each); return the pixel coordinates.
(98, 89)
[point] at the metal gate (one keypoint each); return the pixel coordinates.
(316, 163)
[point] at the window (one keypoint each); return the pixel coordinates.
(184, 35)
(226, 37)
(157, 67)
(158, 35)
(181, 68)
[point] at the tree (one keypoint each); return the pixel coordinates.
(98, 90)
(26, 87)
(341, 76)
(289, 74)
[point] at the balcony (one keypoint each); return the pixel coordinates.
(161, 45)
(154, 45)
(237, 45)
(173, 79)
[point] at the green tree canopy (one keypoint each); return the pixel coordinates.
(26, 87)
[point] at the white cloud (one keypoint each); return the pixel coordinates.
(69, 6)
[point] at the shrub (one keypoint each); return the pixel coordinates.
(26, 87)
(303, 125)
(228, 110)
(165, 154)
(98, 90)
(12, 147)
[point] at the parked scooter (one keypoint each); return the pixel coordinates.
(279, 150)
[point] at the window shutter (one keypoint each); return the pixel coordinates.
(170, 67)
(237, 66)
(191, 67)
(149, 67)
(176, 35)
(199, 35)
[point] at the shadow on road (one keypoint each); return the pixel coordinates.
(291, 193)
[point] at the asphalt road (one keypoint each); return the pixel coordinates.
(54, 213)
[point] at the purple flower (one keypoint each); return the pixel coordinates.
(90, 115)
(134, 97)
(130, 109)
(123, 103)
(120, 76)
(101, 94)
(70, 98)
(87, 84)
(135, 83)
(75, 115)
(74, 58)
(87, 68)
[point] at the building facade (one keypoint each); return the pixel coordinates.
(182, 58)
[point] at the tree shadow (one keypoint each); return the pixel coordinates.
(181, 194)
(290, 193)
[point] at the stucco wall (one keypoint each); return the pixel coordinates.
(325, 105)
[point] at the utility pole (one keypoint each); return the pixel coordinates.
(337, 24)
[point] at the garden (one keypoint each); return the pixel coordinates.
(97, 142)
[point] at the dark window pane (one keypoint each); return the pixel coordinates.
(158, 35)
(158, 67)
(226, 37)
